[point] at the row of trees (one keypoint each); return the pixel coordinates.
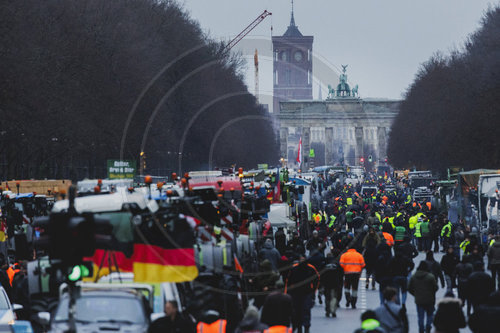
(450, 114)
(83, 81)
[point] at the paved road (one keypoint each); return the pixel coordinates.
(349, 319)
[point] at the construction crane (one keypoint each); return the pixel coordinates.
(256, 64)
(247, 30)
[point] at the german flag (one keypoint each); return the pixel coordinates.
(164, 251)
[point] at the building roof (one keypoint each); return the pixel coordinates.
(293, 30)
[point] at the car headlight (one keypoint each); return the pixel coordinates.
(11, 322)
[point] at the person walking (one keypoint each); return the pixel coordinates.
(383, 272)
(449, 317)
(401, 266)
(435, 267)
(464, 270)
(446, 233)
(479, 286)
(391, 316)
(370, 243)
(426, 235)
(418, 234)
(423, 286)
(302, 283)
(352, 262)
(449, 264)
(494, 260)
(270, 253)
(331, 280)
(435, 232)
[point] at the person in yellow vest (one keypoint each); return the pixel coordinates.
(412, 221)
(446, 235)
(211, 323)
(418, 233)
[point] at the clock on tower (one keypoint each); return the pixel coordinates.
(292, 65)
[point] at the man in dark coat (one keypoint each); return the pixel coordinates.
(449, 317)
(423, 286)
(332, 279)
(277, 310)
(301, 284)
(449, 264)
(370, 243)
(487, 315)
(172, 322)
(479, 286)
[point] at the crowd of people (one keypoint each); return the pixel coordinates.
(381, 233)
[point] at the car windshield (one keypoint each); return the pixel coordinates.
(91, 309)
(4, 304)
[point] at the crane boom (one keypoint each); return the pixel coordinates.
(247, 30)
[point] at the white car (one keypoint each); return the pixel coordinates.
(7, 310)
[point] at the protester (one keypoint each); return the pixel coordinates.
(391, 316)
(331, 280)
(449, 264)
(479, 286)
(352, 263)
(449, 317)
(302, 293)
(370, 323)
(172, 322)
(423, 286)
(250, 322)
(435, 267)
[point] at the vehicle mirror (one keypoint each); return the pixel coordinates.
(17, 307)
(43, 318)
(156, 315)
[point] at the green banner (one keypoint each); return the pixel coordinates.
(121, 169)
(262, 166)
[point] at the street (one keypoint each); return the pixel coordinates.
(348, 320)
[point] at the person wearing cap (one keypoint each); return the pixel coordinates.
(352, 262)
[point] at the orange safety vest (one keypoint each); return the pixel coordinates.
(352, 262)
(388, 238)
(278, 329)
(11, 272)
(218, 326)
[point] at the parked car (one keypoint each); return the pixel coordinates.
(118, 308)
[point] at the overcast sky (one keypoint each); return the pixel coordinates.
(383, 41)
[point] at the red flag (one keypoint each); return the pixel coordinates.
(237, 264)
(299, 153)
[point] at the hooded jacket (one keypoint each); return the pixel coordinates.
(449, 317)
(270, 253)
(423, 286)
(449, 264)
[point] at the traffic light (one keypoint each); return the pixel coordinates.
(370, 158)
(362, 160)
(78, 272)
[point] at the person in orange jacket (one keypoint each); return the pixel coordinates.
(352, 262)
(211, 323)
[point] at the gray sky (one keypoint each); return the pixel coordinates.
(383, 41)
